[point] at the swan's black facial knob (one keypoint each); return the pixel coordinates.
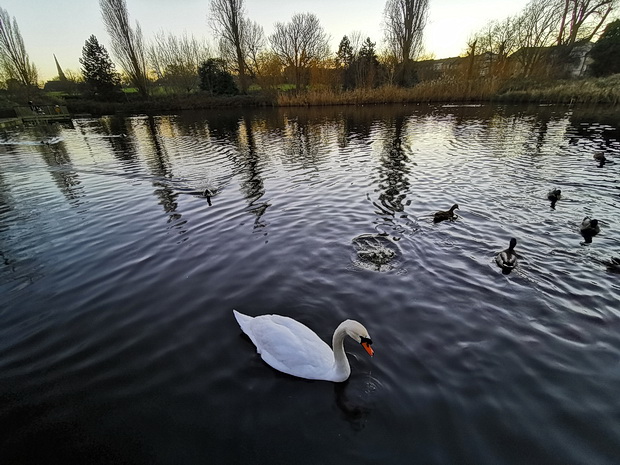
(366, 342)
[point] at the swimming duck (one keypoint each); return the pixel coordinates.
(599, 156)
(208, 193)
(507, 259)
(589, 228)
(291, 347)
(446, 215)
(554, 195)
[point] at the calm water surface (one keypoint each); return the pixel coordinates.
(118, 278)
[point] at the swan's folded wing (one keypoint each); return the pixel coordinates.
(291, 347)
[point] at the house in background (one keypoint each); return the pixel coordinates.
(538, 62)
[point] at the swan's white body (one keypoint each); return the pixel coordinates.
(291, 347)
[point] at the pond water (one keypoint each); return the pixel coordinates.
(118, 277)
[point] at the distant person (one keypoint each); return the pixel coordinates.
(35, 108)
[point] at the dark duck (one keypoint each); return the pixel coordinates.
(507, 259)
(600, 158)
(554, 195)
(445, 215)
(589, 228)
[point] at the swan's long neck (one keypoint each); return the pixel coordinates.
(341, 362)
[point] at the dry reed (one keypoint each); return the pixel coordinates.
(591, 90)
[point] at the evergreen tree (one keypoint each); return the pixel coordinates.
(98, 70)
(344, 57)
(215, 79)
(366, 66)
(606, 51)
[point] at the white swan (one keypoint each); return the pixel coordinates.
(293, 348)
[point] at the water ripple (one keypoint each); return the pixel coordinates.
(125, 245)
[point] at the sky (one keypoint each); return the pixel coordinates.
(60, 27)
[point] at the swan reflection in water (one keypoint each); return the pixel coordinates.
(352, 399)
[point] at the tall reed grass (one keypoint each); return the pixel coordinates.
(591, 90)
(587, 91)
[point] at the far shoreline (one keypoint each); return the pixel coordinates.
(585, 91)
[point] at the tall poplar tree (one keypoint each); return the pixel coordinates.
(240, 40)
(127, 43)
(404, 22)
(14, 61)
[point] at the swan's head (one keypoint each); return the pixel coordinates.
(454, 207)
(357, 332)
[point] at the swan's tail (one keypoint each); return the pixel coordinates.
(245, 322)
(242, 319)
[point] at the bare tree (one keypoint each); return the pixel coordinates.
(127, 43)
(542, 24)
(269, 71)
(241, 40)
(582, 19)
(404, 22)
(254, 45)
(536, 29)
(356, 38)
(175, 60)
(14, 61)
(300, 44)
(497, 40)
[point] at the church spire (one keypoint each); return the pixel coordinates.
(61, 75)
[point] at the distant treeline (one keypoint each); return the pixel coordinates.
(543, 47)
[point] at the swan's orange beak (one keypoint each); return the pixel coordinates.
(366, 346)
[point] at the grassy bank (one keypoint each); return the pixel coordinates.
(592, 90)
(581, 91)
(165, 104)
(429, 91)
